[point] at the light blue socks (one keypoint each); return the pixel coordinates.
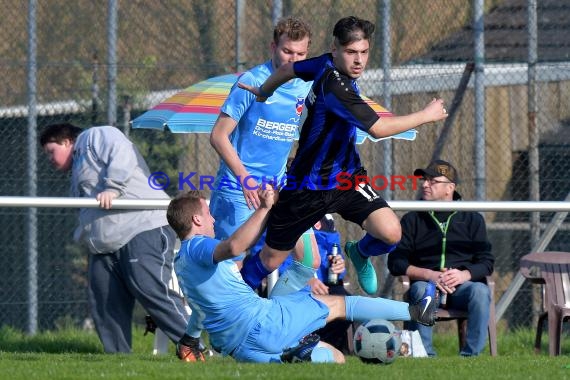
(361, 309)
(322, 355)
(294, 278)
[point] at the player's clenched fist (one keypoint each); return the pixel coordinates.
(267, 195)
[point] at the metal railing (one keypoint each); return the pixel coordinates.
(133, 204)
(561, 209)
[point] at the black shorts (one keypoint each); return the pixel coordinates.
(299, 209)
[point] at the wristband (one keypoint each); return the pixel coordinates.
(263, 93)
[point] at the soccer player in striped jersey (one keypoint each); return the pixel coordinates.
(327, 156)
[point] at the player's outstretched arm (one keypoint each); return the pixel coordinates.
(389, 126)
(249, 232)
(283, 74)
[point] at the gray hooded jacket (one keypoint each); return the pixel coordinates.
(104, 159)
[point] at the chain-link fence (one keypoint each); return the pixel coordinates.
(93, 63)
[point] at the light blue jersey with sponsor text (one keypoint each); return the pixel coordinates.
(265, 131)
(228, 307)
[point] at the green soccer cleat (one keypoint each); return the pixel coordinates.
(364, 268)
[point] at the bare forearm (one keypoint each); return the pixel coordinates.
(227, 153)
(283, 74)
(389, 126)
(220, 141)
(244, 237)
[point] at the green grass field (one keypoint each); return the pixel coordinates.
(73, 354)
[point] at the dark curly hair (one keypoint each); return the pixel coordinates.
(352, 28)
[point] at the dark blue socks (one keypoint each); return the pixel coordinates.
(253, 271)
(370, 246)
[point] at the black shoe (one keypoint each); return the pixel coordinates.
(424, 311)
(302, 351)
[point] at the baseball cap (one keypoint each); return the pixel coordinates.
(439, 168)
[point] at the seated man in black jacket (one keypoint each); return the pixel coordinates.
(451, 249)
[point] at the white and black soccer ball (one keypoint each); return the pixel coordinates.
(377, 341)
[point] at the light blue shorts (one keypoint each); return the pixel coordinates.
(230, 214)
(290, 318)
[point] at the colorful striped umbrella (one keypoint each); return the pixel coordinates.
(192, 110)
(196, 108)
(361, 136)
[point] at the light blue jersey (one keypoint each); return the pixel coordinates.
(216, 290)
(262, 139)
(265, 131)
(239, 322)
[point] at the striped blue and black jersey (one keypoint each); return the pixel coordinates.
(327, 145)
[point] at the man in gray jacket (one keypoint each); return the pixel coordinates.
(131, 250)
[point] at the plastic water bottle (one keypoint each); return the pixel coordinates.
(333, 277)
(443, 299)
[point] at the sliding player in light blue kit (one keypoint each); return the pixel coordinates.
(246, 326)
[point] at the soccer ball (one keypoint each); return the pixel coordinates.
(377, 341)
